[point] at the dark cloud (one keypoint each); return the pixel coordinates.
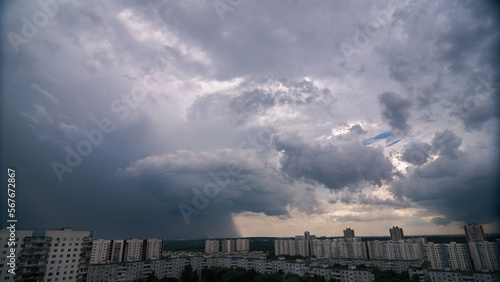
(457, 186)
(395, 110)
(357, 129)
(417, 153)
(335, 166)
(446, 143)
(231, 181)
(219, 83)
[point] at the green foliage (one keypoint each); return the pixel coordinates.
(188, 275)
(216, 274)
(390, 276)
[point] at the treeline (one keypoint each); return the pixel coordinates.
(221, 274)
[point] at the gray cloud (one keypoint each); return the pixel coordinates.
(292, 77)
(357, 129)
(243, 182)
(335, 166)
(254, 97)
(395, 110)
(417, 153)
(458, 185)
(446, 143)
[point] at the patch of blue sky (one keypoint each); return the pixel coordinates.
(383, 135)
(393, 143)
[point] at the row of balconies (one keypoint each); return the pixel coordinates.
(32, 257)
(32, 269)
(37, 239)
(33, 251)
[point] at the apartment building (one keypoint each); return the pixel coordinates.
(48, 255)
(113, 251)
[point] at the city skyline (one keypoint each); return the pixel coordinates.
(235, 119)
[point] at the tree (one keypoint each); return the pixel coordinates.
(152, 277)
(188, 275)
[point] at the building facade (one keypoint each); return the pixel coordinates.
(113, 251)
(396, 233)
(242, 245)
(228, 246)
(474, 233)
(48, 255)
(349, 233)
(132, 271)
(485, 255)
(327, 248)
(452, 256)
(211, 246)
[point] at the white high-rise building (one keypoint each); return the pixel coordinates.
(228, 246)
(485, 255)
(211, 246)
(111, 251)
(409, 249)
(242, 245)
(47, 255)
(336, 248)
(451, 255)
(474, 233)
(396, 233)
(349, 233)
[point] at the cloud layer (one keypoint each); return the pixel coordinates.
(128, 118)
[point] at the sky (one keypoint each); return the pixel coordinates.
(239, 118)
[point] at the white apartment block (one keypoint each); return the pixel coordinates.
(228, 246)
(47, 255)
(441, 256)
(242, 245)
(397, 266)
(334, 248)
(131, 271)
(211, 246)
(395, 250)
(452, 256)
(112, 251)
(485, 255)
(461, 276)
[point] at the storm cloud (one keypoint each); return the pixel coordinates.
(116, 114)
(395, 110)
(335, 166)
(457, 185)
